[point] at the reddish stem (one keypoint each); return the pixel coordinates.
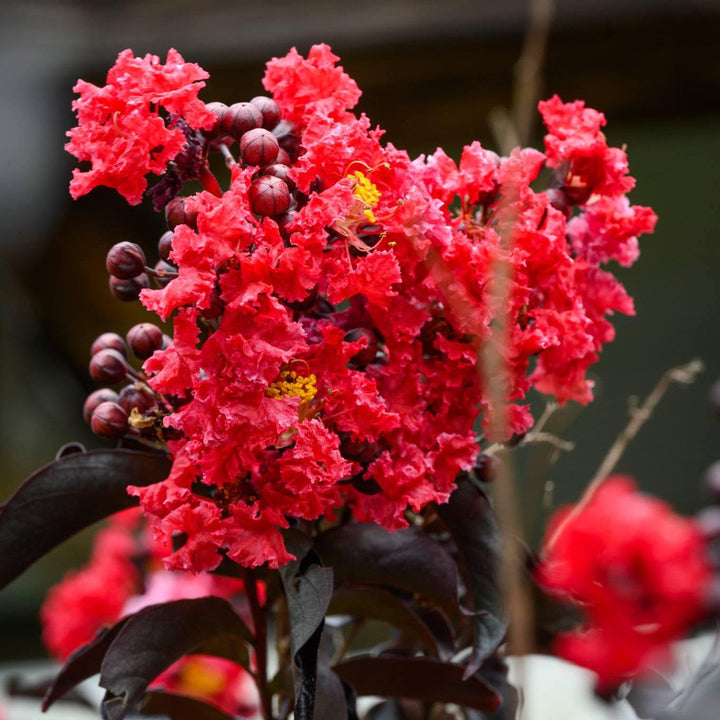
(209, 181)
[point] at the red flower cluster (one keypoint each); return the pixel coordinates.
(327, 357)
(639, 571)
(121, 131)
(125, 575)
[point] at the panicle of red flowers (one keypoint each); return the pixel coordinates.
(640, 573)
(325, 346)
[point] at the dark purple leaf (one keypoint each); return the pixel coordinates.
(472, 523)
(419, 678)
(379, 604)
(82, 664)
(66, 496)
(179, 707)
(407, 559)
(330, 699)
(157, 636)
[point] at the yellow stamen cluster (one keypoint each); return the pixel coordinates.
(367, 192)
(291, 384)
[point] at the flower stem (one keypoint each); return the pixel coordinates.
(260, 630)
(209, 181)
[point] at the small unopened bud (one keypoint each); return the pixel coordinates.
(128, 289)
(109, 420)
(131, 396)
(125, 260)
(164, 272)
(219, 109)
(240, 118)
(270, 111)
(109, 340)
(166, 342)
(712, 481)
(280, 171)
(165, 245)
(108, 367)
(144, 339)
(95, 398)
(487, 467)
(258, 147)
(269, 196)
(176, 214)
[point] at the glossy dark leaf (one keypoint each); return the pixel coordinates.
(419, 678)
(472, 523)
(82, 664)
(157, 636)
(330, 699)
(379, 604)
(308, 598)
(66, 496)
(179, 707)
(407, 559)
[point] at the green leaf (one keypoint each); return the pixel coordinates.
(66, 496)
(408, 559)
(418, 678)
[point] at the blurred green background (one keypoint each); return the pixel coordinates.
(431, 73)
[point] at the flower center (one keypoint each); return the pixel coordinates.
(366, 191)
(291, 384)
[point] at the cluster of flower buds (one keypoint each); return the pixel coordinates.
(135, 408)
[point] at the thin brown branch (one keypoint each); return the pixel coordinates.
(684, 374)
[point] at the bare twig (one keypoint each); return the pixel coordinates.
(639, 415)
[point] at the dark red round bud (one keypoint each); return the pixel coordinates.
(361, 451)
(132, 397)
(367, 354)
(258, 147)
(285, 219)
(128, 289)
(281, 171)
(144, 339)
(165, 272)
(487, 467)
(109, 340)
(270, 111)
(95, 398)
(283, 158)
(165, 244)
(177, 214)
(166, 342)
(240, 118)
(108, 367)
(125, 260)
(269, 196)
(109, 420)
(219, 109)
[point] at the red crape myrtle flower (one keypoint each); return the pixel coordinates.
(120, 130)
(640, 573)
(327, 357)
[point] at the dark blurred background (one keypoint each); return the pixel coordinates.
(432, 73)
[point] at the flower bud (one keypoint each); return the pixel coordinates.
(95, 398)
(108, 367)
(177, 214)
(258, 147)
(125, 260)
(487, 467)
(165, 272)
(281, 171)
(240, 118)
(712, 481)
(109, 340)
(144, 339)
(367, 354)
(219, 109)
(165, 245)
(131, 396)
(128, 289)
(269, 196)
(269, 109)
(109, 420)
(166, 342)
